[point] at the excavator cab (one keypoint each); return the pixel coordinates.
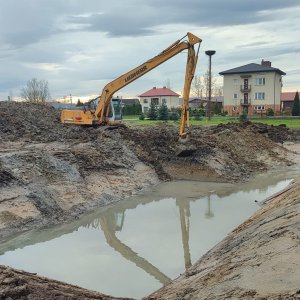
(85, 115)
(116, 109)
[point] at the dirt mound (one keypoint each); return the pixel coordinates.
(228, 151)
(50, 172)
(36, 122)
(23, 285)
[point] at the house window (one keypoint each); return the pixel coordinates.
(259, 107)
(259, 96)
(235, 81)
(164, 101)
(146, 109)
(260, 81)
(154, 101)
(235, 96)
(145, 100)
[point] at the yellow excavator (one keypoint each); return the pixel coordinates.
(106, 111)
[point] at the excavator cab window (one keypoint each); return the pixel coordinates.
(117, 107)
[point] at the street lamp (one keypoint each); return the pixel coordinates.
(210, 53)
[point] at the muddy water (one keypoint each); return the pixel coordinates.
(135, 247)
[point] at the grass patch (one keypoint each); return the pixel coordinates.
(289, 122)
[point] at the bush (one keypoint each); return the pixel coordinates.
(224, 113)
(197, 115)
(142, 117)
(270, 112)
(132, 109)
(174, 116)
(243, 117)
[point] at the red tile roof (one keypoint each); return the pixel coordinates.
(287, 96)
(156, 92)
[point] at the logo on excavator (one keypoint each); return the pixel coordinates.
(136, 73)
(78, 117)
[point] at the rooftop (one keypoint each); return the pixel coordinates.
(164, 91)
(287, 96)
(253, 68)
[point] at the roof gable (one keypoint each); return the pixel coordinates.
(252, 68)
(287, 96)
(156, 92)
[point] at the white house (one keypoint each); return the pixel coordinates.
(252, 88)
(158, 96)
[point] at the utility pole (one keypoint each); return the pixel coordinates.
(210, 53)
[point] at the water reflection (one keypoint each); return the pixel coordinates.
(111, 222)
(109, 225)
(208, 214)
(138, 245)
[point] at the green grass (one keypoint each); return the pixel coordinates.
(289, 122)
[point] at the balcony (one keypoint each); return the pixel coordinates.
(246, 102)
(245, 88)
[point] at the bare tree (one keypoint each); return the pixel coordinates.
(197, 87)
(36, 91)
(168, 83)
(216, 90)
(10, 97)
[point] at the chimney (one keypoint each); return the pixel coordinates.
(266, 63)
(154, 88)
(164, 87)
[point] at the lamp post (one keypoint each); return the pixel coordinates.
(210, 53)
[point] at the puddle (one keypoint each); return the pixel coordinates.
(135, 247)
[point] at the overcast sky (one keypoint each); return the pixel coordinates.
(79, 46)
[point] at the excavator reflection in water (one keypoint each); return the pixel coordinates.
(111, 222)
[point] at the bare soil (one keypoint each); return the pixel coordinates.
(15, 284)
(51, 173)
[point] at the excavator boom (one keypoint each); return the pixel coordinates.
(101, 115)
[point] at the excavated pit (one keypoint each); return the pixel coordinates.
(51, 173)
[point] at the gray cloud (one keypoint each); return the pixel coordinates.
(78, 44)
(134, 18)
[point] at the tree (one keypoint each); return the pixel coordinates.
(200, 86)
(168, 83)
(163, 112)
(79, 103)
(36, 91)
(197, 87)
(152, 113)
(296, 106)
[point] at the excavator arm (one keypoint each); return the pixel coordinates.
(101, 114)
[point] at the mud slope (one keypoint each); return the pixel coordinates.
(17, 284)
(51, 173)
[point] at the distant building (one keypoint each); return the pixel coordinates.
(159, 96)
(287, 100)
(252, 88)
(195, 102)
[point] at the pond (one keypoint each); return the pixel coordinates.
(138, 245)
